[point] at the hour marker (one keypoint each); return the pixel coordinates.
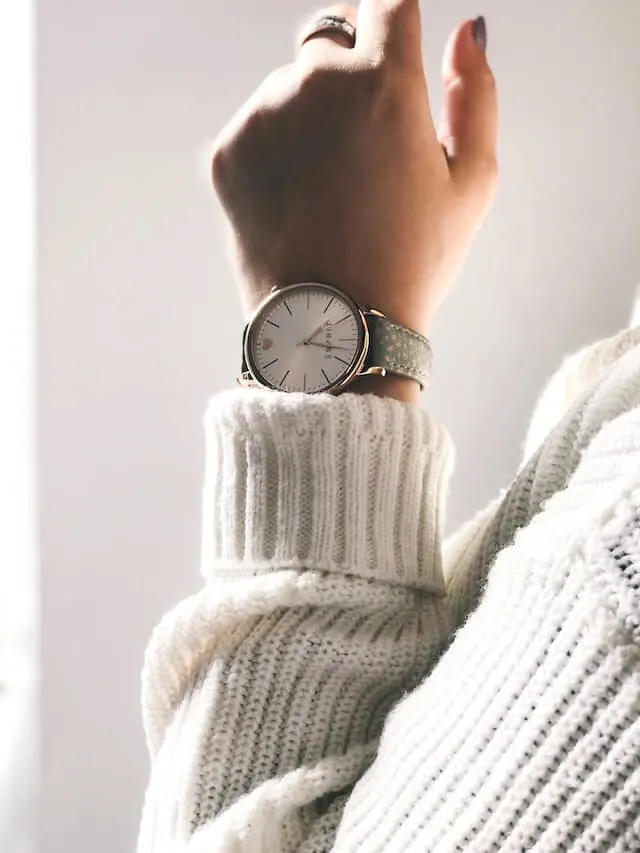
(304, 386)
(270, 363)
(346, 317)
(284, 377)
(328, 304)
(342, 360)
(307, 301)
(325, 375)
(273, 324)
(347, 340)
(284, 302)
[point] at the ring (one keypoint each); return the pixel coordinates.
(331, 24)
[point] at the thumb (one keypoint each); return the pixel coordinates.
(469, 126)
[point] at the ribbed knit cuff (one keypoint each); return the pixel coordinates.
(352, 484)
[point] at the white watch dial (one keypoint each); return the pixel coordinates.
(305, 338)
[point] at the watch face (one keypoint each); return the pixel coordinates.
(307, 338)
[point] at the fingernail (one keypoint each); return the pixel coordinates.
(480, 33)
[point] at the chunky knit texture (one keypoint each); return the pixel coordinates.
(337, 686)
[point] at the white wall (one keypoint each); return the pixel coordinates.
(18, 533)
(139, 323)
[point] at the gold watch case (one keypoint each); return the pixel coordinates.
(250, 376)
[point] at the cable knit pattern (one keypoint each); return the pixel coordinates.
(594, 387)
(322, 693)
(264, 696)
(526, 735)
(579, 374)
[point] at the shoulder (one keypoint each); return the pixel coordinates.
(582, 469)
(578, 374)
(611, 457)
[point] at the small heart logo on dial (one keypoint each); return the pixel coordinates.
(267, 343)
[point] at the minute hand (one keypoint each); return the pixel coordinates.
(326, 346)
(317, 332)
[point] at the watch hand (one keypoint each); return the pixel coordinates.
(318, 344)
(317, 332)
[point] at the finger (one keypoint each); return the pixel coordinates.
(390, 30)
(334, 27)
(469, 126)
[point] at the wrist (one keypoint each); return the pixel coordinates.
(394, 387)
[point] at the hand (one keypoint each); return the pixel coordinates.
(334, 172)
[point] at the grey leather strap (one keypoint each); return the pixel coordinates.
(398, 349)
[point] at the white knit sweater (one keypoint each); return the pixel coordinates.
(339, 686)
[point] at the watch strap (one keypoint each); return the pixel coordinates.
(397, 349)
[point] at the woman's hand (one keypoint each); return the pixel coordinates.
(334, 172)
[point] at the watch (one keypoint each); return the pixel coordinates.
(313, 338)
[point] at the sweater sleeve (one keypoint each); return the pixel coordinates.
(323, 604)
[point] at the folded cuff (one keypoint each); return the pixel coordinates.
(352, 484)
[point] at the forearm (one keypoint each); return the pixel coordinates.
(322, 607)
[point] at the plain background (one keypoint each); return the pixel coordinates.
(19, 595)
(139, 323)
